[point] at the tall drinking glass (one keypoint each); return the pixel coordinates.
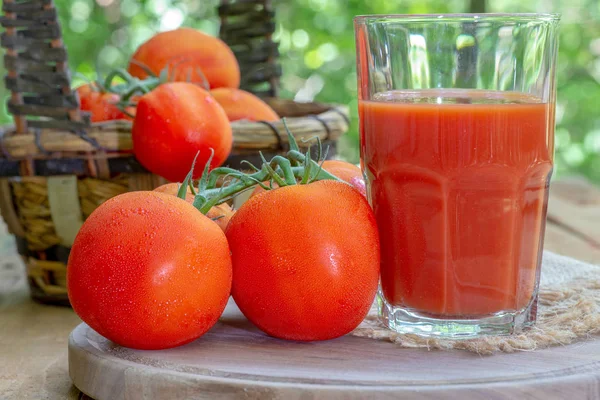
(457, 146)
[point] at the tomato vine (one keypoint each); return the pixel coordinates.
(295, 167)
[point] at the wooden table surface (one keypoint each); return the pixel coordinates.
(33, 337)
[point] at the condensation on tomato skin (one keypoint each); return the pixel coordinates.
(119, 297)
(266, 248)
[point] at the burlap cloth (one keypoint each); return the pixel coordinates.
(569, 310)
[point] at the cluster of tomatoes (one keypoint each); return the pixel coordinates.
(188, 113)
(149, 270)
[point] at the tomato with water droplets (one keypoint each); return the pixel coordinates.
(305, 260)
(147, 270)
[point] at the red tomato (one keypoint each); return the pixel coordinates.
(239, 104)
(173, 189)
(101, 105)
(220, 214)
(299, 271)
(175, 121)
(186, 50)
(149, 271)
(347, 172)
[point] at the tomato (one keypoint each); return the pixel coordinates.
(148, 271)
(186, 51)
(173, 123)
(239, 104)
(101, 105)
(347, 172)
(299, 271)
(173, 189)
(221, 213)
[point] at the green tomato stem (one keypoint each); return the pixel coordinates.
(284, 170)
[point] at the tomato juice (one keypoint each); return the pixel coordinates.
(458, 180)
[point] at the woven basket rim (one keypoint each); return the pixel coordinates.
(9, 128)
(114, 137)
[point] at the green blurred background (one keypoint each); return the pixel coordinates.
(317, 46)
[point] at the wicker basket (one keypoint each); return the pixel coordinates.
(56, 167)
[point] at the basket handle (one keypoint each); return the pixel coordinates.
(37, 70)
(247, 26)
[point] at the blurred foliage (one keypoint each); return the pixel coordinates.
(317, 46)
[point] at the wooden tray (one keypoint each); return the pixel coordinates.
(235, 360)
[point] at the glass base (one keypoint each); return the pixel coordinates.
(405, 320)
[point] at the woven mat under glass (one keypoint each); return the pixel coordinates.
(568, 310)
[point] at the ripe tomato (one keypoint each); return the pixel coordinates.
(299, 272)
(101, 105)
(149, 271)
(173, 188)
(187, 50)
(239, 104)
(345, 171)
(175, 121)
(220, 214)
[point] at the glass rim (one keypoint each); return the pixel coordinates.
(459, 17)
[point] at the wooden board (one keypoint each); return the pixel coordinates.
(235, 360)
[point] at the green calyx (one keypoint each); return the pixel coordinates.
(293, 168)
(121, 82)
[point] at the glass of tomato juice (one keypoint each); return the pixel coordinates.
(457, 146)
